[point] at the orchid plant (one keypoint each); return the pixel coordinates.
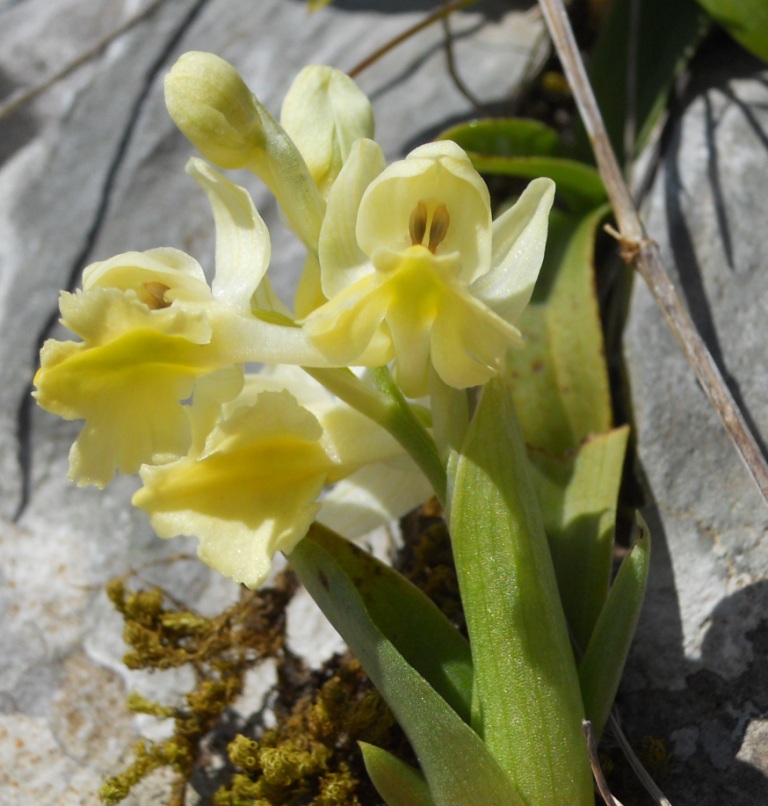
(389, 380)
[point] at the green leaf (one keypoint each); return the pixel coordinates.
(745, 20)
(527, 149)
(455, 762)
(560, 379)
(505, 137)
(601, 668)
(397, 782)
(664, 35)
(528, 704)
(404, 614)
(561, 390)
(578, 498)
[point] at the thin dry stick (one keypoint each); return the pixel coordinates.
(638, 250)
(594, 762)
(441, 12)
(24, 95)
(636, 764)
(453, 70)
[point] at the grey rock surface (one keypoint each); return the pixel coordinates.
(94, 167)
(698, 675)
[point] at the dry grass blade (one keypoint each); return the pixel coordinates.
(594, 762)
(638, 250)
(640, 771)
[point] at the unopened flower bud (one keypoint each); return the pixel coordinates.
(324, 113)
(212, 106)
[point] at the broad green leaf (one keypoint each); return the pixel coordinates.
(527, 704)
(404, 614)
(745, 20)
(560, 379)
(578, 497)
(664, 36)
(454, 760)
(397, 782)
(505, 137)
(601, 668)
(528, 149)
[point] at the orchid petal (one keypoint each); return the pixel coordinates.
(519, 240)
(242, 239)
(469, 341)
(346, 327)
(374, 496)
(251, 493)
(324, 113)
(435, 174)
(171, 271)
(342, 259)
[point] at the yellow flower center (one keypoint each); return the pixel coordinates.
(429, 222)
(152, 294)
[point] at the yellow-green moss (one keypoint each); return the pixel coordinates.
(311, 755)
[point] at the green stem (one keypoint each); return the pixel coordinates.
(450, 414)
(391, 411)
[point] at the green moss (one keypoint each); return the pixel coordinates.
(220, 649)
(311, 755)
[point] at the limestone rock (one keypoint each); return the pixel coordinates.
(697, 676)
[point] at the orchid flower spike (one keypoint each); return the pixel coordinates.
(411, 251)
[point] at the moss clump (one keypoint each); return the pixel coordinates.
(311, 757)
(220, 650)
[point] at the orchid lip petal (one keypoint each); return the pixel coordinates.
(253, 488)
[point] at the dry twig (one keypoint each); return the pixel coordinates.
(594, 762)
(643, 254)
(441, 13)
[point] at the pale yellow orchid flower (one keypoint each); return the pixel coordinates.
(140, 355)
(410, 251)
(251, 488)
(151, 327)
